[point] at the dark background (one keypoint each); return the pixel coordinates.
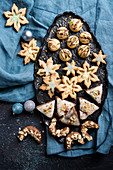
(28, 155)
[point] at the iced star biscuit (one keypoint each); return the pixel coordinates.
(71, 118)
(65, 55)
(86, 108)
(72, 41)
(84, 128)
(47, 109)
(99, 58)
(30, 51)
(70, 68)
(71, 137)
(62, 33)
(96, 93)
(57, 132)
(69, 87)
(16, 17)
(84, 51)
(53, 44)
(86, 74)
(30, 130)
(48, 68)
(50, 84)
(75, 25)
(63, 106)
(85, 37)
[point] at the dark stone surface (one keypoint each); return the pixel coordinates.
(28, 155)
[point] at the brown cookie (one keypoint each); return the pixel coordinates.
(57, 132)
(31, 130)
(65, 55)
(71, 137)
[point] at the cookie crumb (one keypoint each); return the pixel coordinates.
(46, 51)
(42, 131)
(40, 121)
(101, 115)
(70, 16)
(60, 24)
(52, 31)
(41, 144)
(65, 19)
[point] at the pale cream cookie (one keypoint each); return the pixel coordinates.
(62, 33)
(30, 51)
(48, 68)
(70, 68)
(99, 58)
(75, 25)
(85, 37)
(65, 55)
(96, 93)
(69, 87)
(86, 108)
(84, 51)
(72, 41)
(86, 74)
(53, 44)
(71, 118)
(63, 106)
(50, 84)
(47, 109)
(16, 17)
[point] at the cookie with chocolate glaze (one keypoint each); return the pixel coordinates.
(72, 41)
(62, 33)
(85, 37)
(75, 25)
(84, 51)
(53, 44)
(65, 55)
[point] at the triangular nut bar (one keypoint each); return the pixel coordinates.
(86, 108)
(96, 93)
(47, 108)
(63, 106)
(71, 118)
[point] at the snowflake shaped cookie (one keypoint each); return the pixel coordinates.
(30, 51)
(48, 68)
(99, 58)
(16, 17)
(69, 87)
(87, 75)
(70, 68)
(50, 84)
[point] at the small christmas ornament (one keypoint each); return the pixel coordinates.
(29, 106)
(17, 108)
(27, 35)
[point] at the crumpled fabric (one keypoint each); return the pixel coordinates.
(16, 79)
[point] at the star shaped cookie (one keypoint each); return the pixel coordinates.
(87, 75)
(50, 84)
(69, 87)
(70, 68)
(30, 51)
(16, 17)
(99, 58)
(48, 68)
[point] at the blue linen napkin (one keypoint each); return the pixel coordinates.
(94, 12)
(16, 79)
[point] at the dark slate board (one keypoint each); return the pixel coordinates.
(42, 96)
